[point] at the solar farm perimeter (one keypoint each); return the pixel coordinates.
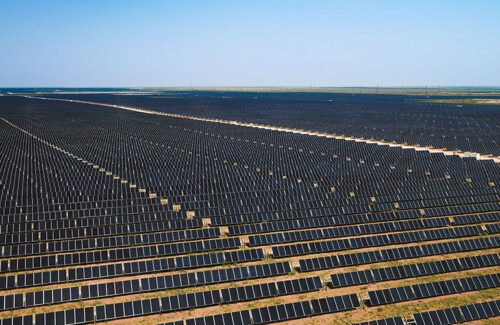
(211, 207)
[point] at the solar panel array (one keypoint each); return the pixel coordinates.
(108, 215)
(280, 313)
(401, 119)
(388, 321)
(413, 270)
(433, 289)
(461, 314)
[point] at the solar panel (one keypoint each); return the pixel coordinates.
(320, 263)
(459, 314)
(426, 290)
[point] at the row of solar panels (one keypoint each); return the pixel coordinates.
(447, 316)
(476, 218)
(194, 223)
(169, 214)
(364, 227)
(375, 205)
(374, 241)
(175, 224)
(279, 313)
(295, 212)
(463, 209)
(223, 218)
(104, 200)
(107, 198)
(360, 277)
(433, 289)
(184, 280)
(120, 254)
(129, 268)
(413, 270)
(195, 233)
(392, 254)
(346, 231)
(154, 225)
(493, 228)
(327, 221)
(462, 197)
(86, 273)
(91, 232)
(142, 228)
(310, 202)
(203, 299)
(462, 314)
(93, 212)
(430, 212)
(62, 215)
(416, 180)
(89, 185)
(388, 321)
(224, 296)
(342, 209)
(90, 201)
(260, 187)
(333, 221)
(100, 243)
(97, 208)
(144, 307)
(280, 251)
(110, 206)
(185, 174)
(444, 201)
(337, 198)
(104, 242)
(9, 228)
(78, 223)
(130, 228)
(391, 191)
(112, 219)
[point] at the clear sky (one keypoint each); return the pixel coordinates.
(249, 43)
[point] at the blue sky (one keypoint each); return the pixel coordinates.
(249, 43)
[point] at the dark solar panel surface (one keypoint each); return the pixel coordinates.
(173, 215)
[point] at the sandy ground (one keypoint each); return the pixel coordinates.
(477, 101)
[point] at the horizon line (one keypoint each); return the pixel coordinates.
(256, 87)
